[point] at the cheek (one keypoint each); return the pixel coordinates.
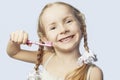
(51, 36)
(76, 27)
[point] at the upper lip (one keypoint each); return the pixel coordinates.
(65, 37)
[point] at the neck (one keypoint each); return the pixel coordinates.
(68, 56)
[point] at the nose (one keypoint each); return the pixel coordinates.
(63, 30)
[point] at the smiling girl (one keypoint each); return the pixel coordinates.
(64, 26)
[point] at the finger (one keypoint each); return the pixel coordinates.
(25, 38)
(12, 36)
(15, 38)
(20, 37)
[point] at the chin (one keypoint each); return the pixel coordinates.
(67, 47)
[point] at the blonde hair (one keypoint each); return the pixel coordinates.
(81, 72)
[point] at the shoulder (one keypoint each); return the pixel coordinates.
(95, 73)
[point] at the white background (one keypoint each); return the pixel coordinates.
(102, 19)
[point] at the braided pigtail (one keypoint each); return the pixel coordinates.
(85, 39)
(35, 75)
(81, 19)
(39, 57)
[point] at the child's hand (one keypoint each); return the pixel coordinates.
(14, 49)
(19, 37)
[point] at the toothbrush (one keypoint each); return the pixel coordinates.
(48, 44)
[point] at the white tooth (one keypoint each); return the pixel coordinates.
(66, 39)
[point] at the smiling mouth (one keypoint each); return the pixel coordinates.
(66, 39)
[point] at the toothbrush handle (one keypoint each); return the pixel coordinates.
(49, 44)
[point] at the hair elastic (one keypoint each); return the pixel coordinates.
(87, 57)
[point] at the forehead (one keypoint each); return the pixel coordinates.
(56, 11)
(56, 8)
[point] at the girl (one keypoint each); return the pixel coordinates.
(64, 26)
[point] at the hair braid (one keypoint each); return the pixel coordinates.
(85, 39)
(39, 56)
(81, 19)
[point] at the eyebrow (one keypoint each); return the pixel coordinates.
(67, 17)
(53, 23)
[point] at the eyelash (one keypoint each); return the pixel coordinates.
(52, 28)
(69, 21)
